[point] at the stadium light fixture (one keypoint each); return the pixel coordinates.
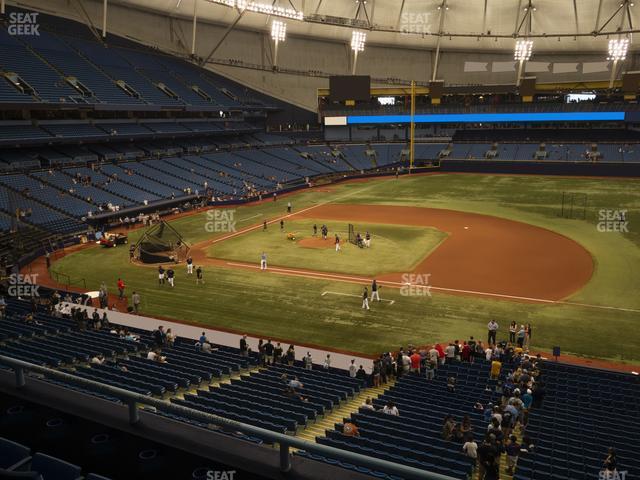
(265, 8)
(358, 39)
(278, 34)
(523, 50)
(278, 31)
(618, 48)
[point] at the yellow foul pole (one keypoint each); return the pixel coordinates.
(412, 131)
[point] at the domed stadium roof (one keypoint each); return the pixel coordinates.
(554, 25)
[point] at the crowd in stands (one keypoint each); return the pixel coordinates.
(498, 435)
(495, 386)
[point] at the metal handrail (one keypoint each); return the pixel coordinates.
(285, 442)
(56, 276)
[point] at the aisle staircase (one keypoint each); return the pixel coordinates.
(328, 421)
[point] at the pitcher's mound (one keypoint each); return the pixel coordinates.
(316, 242)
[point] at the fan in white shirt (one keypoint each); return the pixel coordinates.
(470, 448)
(391, 409)
(368, 404)
(353, 369)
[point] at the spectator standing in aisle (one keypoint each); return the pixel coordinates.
(513, 328)
(268, 352)
(308, 361)
(492, 328)
(135, 299)
(327, 362)
(277, 354)
(244, 346)
(353, 369)
(291, 355)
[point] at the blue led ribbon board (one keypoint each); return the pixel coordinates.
(490, 117)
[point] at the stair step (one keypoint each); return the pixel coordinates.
(340, 412)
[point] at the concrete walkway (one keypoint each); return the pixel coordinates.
(339, 360)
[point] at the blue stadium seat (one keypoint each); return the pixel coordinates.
(52, 468)
(13, 455)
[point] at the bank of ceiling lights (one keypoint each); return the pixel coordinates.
(358, 39)
(266, 8)
(523, 50)
(618, 48)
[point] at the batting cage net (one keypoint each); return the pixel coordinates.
(352, 234)
(161, 243)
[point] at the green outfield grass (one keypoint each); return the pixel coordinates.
(393, 249)
(293, 308)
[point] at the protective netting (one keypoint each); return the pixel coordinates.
(161, 243)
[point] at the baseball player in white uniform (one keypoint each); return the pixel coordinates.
(337, 243)
(263, 261)
(374, 290)
(365, 299)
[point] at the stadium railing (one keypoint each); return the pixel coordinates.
(285, 442)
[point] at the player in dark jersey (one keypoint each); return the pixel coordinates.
(199, 278)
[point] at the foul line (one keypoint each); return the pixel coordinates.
(254, 227)
(352, 279)
(391, 302)
(249, 218)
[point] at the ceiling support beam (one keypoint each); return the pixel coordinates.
(400, 15)
(225, 35)
(629, 16)
(362, 7)
(595, 29)
(436, 61)
(527, 21)
(516, 28)
(193, 28)
(575, 15)
(484, 16)
(104, 18)
(621, 7)
(83, 13)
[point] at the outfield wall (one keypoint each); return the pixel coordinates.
(542, 168)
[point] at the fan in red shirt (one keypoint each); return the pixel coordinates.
(440, 353)
(121, 287)
(466, 352)
(415, 362)
(350, 429)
